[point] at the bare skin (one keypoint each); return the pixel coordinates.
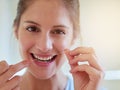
(7, 82)
(36, 84)
(89, 75)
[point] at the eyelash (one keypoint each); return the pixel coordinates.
(32, 29)
(58, 31)
(35, 29)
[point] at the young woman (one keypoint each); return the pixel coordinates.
(45, 31)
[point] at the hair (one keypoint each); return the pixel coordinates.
(73, 7)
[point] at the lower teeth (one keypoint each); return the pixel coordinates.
(43, 60)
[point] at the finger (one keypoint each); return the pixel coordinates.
(92, 72)
(12, 84)
(12, 70)
(16, 88)
(69, 57)
(3, 66)
(90, 58)
(93, 61)
(82, 50)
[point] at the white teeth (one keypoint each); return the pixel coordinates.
(43, 58)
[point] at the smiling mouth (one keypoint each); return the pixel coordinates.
(43, 59)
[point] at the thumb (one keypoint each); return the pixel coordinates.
(70, 57)
(67, 53)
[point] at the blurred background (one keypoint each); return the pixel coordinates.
(100, 28)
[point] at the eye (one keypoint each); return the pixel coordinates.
(32, 29)
(58, 31)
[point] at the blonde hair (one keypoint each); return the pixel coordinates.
(72, 6)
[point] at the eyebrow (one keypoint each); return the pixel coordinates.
(32, 22)
(62, 26)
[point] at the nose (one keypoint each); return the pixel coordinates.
(44, 43)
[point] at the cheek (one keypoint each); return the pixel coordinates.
(63, 44)
(24, 40)
(24, 46)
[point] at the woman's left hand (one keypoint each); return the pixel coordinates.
(86, 76)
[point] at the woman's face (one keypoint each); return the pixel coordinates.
(45, 31)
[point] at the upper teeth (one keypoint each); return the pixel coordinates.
(43, 58)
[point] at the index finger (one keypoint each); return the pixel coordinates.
(12, 70)
(82, 50)
(86, 54)
(3, 67)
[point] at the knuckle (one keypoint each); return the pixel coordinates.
(85, 66)
(16, 88)
(100, 75)
(92, 56)
(91, 50)
(79, 48)
(13, 69)
(2, 88)
(4, 64)
(10, 84)
(18, 78)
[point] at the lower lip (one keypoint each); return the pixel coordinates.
(43, 64)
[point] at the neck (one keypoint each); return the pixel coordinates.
(56, 82)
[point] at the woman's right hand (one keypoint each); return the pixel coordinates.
(7, 80)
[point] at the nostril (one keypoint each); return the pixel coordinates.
(44, 47)
(44, 44)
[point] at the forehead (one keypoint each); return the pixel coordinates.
(49, 10)
(49, 6)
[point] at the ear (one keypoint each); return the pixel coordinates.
(72, 43)
(76, 42)
(73, 40)
(15, 31)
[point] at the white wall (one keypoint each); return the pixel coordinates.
(100, 25)
(5, 27)
(7, 14)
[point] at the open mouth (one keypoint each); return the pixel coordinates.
(43, 59)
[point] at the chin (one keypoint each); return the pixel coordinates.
(41, 75)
